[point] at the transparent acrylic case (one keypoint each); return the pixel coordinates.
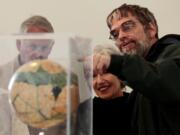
(46, 90)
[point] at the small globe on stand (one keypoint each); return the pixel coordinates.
(39, 93)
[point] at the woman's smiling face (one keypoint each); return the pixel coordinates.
(107, 86)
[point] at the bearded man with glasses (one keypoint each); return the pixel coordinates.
(149, 65)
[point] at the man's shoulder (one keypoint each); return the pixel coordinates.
(6, 72)
(166, 47)
(172, 46)
(170, 39)
(7, 67)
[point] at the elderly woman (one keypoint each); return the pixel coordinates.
(111, 112)
(110, 105)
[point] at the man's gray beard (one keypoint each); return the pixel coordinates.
(143, 48)
(128, 52)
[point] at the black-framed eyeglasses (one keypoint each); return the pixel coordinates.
(125, 27)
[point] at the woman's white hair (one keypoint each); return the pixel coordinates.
(106, 49)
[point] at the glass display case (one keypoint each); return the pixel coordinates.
(45, 84)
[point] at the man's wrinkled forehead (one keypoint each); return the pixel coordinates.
(118, 15)
(36, 29)
(38, 41)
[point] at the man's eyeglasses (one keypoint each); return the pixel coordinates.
(125, 27)
(38, 44)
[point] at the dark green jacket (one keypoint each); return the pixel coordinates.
(156, 87)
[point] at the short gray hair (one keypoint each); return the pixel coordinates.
(38, 21)
(106, 49)
(143, 14)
